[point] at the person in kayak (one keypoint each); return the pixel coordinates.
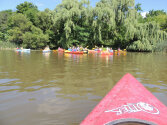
(78, 48)
(74, 49)
(47, 48)
(111, 50)
(70, 49)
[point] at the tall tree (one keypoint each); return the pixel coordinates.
(115, 21)
(158, 16)
(25, 34)
(23, 7)
(28, 9)
(153, 13)
(138, 7)
(4, 16)
(68, 15)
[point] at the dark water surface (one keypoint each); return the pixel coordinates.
(61, 89)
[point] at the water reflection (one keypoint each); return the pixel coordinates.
(72, 71)
(63, 88)
(46, 55)
(107, 58)
(75, 58)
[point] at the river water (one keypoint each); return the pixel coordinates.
(61, 89)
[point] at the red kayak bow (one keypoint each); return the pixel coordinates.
(128, 102)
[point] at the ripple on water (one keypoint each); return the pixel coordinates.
(4, 88)
(3, 81)
(63, 88)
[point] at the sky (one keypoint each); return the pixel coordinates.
(51, 4)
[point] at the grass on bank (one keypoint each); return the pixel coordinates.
(7, 45)
(161, 47)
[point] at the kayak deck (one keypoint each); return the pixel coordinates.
(129, 101)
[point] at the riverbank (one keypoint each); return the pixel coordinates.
(7, 46)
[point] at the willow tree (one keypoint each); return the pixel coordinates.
(147, 36)
(115, 22)
(69, 15)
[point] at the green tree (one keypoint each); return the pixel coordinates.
(115, 22)
(138, 7)
(35, 39)
(153, 13)
(68, 15)
(31, 14)
(45, 20)
(4, 16)
(28, 9)
(24, 7)
(18, 24)
(164, 25)
(25, 34)
(158, 16)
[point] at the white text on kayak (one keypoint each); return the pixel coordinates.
(135, 107)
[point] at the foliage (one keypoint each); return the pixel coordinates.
(138, 7)
(7, 45)
(35, 40)
(69, 16)
(164, 25)
(147, 36)
(45, 20)
(158, 16)
(23, 7)
(141, 46)
(23, 33)
(4, 15)
(153, 13)
(114, 23)
(161, 46)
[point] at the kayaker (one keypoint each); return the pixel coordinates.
(81, 48)
(85, 50)
(107, 49)
(70, 49)
(74, 49)
(100, 49)
(47, 48)
(78, 48)
(111, 50)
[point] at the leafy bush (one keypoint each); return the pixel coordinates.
(143, 46)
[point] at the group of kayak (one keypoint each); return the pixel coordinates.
(73, 51)
(108, 51)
